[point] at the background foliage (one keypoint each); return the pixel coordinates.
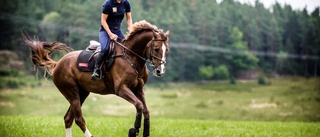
(209, 40)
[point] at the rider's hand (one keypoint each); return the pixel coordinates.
(113, 37)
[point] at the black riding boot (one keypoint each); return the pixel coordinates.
(96, 71)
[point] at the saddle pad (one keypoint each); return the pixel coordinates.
(83, 62)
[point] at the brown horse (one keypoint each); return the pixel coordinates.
(126, 78)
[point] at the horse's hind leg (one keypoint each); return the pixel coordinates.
(68, 120)
(74, 112)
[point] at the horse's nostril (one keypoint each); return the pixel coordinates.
(158, 71)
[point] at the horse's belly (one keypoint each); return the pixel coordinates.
(94, 86)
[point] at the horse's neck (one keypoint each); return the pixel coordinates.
(139, 44)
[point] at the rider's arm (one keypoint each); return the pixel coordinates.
(129, 20)
(106, 27)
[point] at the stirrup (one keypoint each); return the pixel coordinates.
(95, 75)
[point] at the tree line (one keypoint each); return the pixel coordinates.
(209, 40)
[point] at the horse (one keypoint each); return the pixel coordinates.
(144, 43)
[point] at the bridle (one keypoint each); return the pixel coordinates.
(150, 61)
(152, 53)
(147, 60)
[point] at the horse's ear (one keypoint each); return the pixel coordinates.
(167, 33)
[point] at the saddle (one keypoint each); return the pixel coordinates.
(86, 59)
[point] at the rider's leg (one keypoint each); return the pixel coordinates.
(97, 64)
(104, 42)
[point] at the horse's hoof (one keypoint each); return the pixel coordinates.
(132, 132)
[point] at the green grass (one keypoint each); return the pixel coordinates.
(283, 107)
(36, 126)
(284, 99)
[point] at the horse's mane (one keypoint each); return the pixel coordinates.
(140, 26)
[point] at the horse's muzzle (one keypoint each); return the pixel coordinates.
(159, 71)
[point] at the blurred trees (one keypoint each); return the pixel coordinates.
(249, 37)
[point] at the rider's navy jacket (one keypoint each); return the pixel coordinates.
(115, 12)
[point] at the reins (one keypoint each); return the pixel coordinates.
(144, 59)
(123, 46)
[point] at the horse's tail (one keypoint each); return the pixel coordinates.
(41, 51)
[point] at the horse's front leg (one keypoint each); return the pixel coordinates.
(146, 124)
(128, 95)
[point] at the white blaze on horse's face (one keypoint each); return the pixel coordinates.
(160, 53)
(160, 70)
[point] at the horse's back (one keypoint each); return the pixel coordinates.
(70, 56)
(67, 61)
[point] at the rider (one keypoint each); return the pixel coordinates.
(112, 15)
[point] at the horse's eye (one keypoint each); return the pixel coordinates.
(156, 50)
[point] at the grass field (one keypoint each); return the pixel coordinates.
(283, 107)
(44, 126)
(284, 99)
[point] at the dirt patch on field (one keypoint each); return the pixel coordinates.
(263, 105)
(7, 104)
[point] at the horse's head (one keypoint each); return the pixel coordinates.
(158, 48)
